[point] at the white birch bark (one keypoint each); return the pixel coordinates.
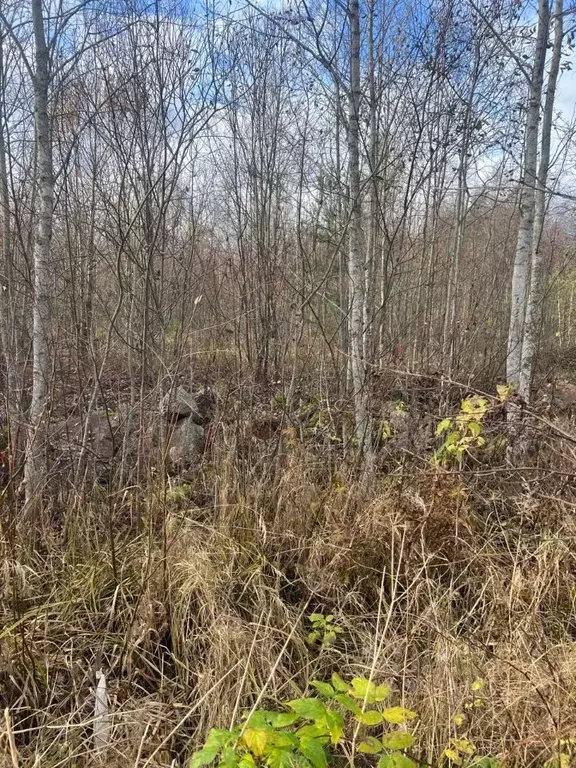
(534, 303)
(372, 246)
(34, 474)
(357, 260)
(522, 259)
(7, 298)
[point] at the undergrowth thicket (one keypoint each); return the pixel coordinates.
(224, 594)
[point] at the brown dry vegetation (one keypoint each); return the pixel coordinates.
(195, 595)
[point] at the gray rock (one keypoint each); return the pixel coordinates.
(186, 442)
(181, 403)
(66, 436)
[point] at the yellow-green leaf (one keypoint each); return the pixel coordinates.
(396, 760)
(335, 724)
(478, 684)
(324, 689)
(229, 758)
(464, 746)
(474, 428)
(278, 757)
(370, 746)
(452, 755)
(459, 719)
(371, 717)
(398, 715)
(339, 684)
(256, 740)
(398, 740)
(368, 691)
(504, 391)
(444, 425)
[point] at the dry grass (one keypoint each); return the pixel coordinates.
(198, 607)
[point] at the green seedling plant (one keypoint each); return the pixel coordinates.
(565, 754)
(311, 731)
(461, 751)
(324, 630)
(462, 432)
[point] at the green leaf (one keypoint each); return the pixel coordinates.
(348, 703)
(284, 739)
(280, 719)
(218, 737)
(277, 757)
(324, 689)
(316, 618)
(316, 731)
(370, 746)
(311, 709)
(444, 425)
(247, 761)
(398, 740)
(314, 752)
(313, 637)
(486, 762)
(371, 717)
(258, 719)
(335, 724)
(339, 684)
(478, 684)
(396, 760)
(398, 715)
(204, 757)
(229, 758)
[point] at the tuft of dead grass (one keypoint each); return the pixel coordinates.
(198, 608)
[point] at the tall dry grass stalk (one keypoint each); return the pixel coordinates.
(199, 611)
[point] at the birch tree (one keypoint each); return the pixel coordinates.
(534, 301)
(521, 274)
(8, 333)
(356, 254)
(42, 309)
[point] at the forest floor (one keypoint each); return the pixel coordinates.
(194, 594)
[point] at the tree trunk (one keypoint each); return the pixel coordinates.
(357, 260)
(521, 272)
(534, 304)
(7, 297)
(35, 469)
(373, 228)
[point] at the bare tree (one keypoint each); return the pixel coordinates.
(521, 275)
(534, 299)
(42, 312)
